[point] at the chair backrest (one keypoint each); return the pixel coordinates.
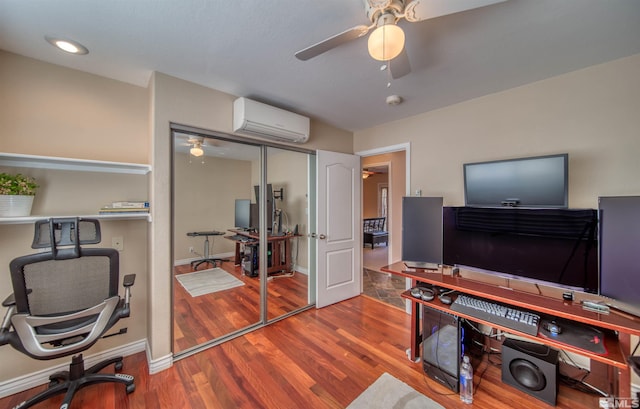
(64, 293)
(373, 224)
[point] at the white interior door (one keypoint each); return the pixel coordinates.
(338, 237)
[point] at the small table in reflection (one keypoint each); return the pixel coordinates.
(205, 259)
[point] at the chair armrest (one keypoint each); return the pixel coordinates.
(129, 280)
(9, 301)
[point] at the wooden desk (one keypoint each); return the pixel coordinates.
(534, 297)
(280, 249)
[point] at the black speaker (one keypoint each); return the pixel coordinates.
(445, 339)
(532, 368)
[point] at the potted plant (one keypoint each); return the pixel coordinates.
(16, 194)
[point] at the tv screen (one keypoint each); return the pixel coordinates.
(619, 256)
(540, 181)
(556, 246)
(243, 214)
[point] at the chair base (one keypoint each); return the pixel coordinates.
(78, 377)
(213, 261)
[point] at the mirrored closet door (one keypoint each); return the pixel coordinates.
(221, 285)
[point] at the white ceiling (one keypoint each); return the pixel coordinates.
(246, 48)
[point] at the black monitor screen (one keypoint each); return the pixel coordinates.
(619, 255)
(256, 190)
(528, 182)
(557, 246)
(422, 229)
(243, 214)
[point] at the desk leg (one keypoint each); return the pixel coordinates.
(238, 258)
(416, 335)
(624, 375)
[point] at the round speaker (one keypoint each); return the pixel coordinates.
(527, 374)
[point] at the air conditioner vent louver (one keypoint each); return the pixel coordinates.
(264, 121)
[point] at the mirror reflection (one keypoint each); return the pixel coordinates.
(218, 283)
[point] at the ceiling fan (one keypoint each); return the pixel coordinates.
(386, 42)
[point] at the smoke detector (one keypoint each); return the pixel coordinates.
(394, 100)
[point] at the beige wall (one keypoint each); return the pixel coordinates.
(370, 187)
(53, 111)
(592, 114)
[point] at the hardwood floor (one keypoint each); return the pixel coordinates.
(206, 317)
(316, 359)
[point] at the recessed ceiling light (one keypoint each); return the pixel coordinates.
(70, 46)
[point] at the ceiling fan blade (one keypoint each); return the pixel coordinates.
(399, 66)
(332, 42)
(418, 10)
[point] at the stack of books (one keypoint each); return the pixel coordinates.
(134, 207)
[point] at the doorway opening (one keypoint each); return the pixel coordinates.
(385, 173)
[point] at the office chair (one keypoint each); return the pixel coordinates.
(64, 300)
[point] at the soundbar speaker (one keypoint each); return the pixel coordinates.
(532, 368)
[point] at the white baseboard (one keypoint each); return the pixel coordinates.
(301, 270)
(184, 261)
(28, 381)
(160, 364)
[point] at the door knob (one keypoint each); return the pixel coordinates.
(322, 237)
(312, 235)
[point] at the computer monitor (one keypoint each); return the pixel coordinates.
(256, 189)
(243, 214)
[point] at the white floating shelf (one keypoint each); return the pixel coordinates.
(51, 162)
(32, 219)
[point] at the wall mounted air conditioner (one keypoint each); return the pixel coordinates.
(257, 119)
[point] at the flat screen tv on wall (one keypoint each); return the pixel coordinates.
(540, 181)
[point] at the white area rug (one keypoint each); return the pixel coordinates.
(208, 281)
(388, 392)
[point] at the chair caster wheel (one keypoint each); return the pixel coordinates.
(118, 366)
(131, 388)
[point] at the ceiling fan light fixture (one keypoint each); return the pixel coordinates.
(386, 42)
(196, 150)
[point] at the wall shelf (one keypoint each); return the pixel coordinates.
(71, 164)
(32, 219)
(84, 165)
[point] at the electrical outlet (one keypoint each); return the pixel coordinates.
(190, 249)
(117, 243)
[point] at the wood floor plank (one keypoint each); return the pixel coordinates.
(316, 359)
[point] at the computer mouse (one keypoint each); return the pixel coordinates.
(445, 299)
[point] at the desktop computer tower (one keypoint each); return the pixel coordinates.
(445, 339)
(251, 259)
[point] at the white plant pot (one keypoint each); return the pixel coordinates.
(15, 205)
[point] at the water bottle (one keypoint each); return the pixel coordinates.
(466, 381)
